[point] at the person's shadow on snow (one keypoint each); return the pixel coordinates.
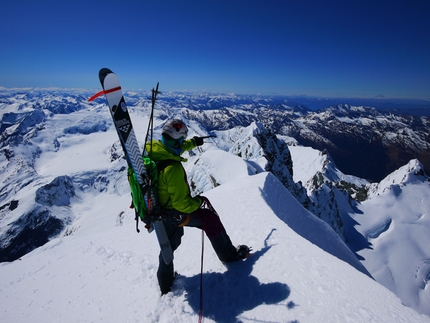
(227, 295)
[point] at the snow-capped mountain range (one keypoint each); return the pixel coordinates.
(64, 179)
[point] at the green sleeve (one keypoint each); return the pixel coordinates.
(189, 144)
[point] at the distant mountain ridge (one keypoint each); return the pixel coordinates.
(363, 141)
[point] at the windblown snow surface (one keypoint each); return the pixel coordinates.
(103, 271)
(100, 270)
(109, 275)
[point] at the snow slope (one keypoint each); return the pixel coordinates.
(393, 224)
(105, 272)
(396, 223)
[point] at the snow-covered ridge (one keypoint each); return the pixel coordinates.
(411, 173)
(61, 166)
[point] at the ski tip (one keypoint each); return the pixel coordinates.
(103, 73)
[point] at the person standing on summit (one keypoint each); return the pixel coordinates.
(181, 209)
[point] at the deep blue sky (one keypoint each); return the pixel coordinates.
(323, 48)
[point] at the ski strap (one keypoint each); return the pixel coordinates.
(95, 96)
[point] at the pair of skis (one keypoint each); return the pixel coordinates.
(124, 128)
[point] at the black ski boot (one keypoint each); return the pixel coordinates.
(243, 252)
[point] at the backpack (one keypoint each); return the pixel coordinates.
(145, 203)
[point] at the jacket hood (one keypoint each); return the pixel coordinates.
(161, 152)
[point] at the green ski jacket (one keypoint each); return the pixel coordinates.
(173, 189)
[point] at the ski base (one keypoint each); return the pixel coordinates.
(163, 240)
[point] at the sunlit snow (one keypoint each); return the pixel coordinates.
(98, 269)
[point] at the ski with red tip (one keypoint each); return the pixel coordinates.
(124, 127)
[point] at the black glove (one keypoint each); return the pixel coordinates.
(198, 140)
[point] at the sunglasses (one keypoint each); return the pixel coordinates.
(171, 142)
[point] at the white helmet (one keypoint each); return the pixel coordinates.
(175, 129)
